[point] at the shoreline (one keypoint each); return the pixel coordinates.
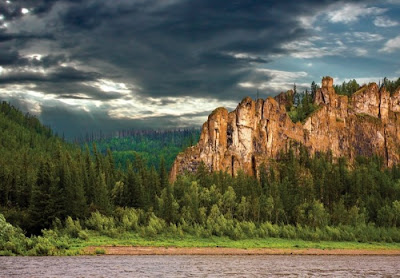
(146, 250)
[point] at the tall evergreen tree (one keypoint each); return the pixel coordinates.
(41, 211)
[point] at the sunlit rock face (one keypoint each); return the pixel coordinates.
(367, 123)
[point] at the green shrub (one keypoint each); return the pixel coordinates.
(100, 223)
(184, 226)
(83, 235)
(237, 232)
(249, 229)
(12, 240)
(128, 218)
(331, 233)
(54, 241)
(156, 226)
(305, 232)
(218, 224)
(347, 233)
(288, 231)
(269, 230)
(201, 231)
(42, 247)
(72, 227)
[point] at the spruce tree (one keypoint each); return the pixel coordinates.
(41, 211)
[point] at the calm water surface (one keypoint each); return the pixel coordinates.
(201, 266)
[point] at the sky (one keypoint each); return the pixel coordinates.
(91, 65)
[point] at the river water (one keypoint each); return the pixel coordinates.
(201, 266)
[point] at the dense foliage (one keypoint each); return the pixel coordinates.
(347, 88)
(129, 144)
(391, 85)
(304, 108)
(47, 183)
(350, 87)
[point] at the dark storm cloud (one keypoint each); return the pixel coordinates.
(61, 74)
(175, 48)
(13, 9)
(8, 57)
(10, 10)
(73, 97)
(13, 59)
(65, 82)
(198, 48)
(85, 92)
(23, 36)
(183, 48)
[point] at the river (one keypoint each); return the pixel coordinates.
(201, 266)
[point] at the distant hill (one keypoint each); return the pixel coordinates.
(150, 145)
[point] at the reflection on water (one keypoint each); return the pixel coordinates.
(203, 266)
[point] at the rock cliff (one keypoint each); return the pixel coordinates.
(366, 123)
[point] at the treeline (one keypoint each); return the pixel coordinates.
(350, 87)
(300, 105)
(347, 88)
(391, 85)
(100, 135)
(131, 144)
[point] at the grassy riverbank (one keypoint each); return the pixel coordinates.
(192, 241)
(132, 243)
(100, 244)
(101, 232)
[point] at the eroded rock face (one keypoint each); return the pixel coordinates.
(368, 123)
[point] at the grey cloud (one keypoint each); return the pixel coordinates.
(61, 74)
(65, 82)
(12, 58)
(13, 9)
(167, 48)
(181, 49)
(8, 57)
(23, 36)
(73, 97)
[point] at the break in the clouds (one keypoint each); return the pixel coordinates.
(105, 64)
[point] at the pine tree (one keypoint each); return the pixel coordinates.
(163, 174)
(89, 177)
(41, 211)
(101, 200)
(75, 194)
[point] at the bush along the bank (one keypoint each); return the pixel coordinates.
(14, 242)
(148, 225)
(127, 222)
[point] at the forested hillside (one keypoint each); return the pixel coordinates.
(150, 145)
(46, 183)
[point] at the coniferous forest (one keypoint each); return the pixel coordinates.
(128, 145)
(52, 191)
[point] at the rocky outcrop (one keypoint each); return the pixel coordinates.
(285, 99)
(367, 123)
